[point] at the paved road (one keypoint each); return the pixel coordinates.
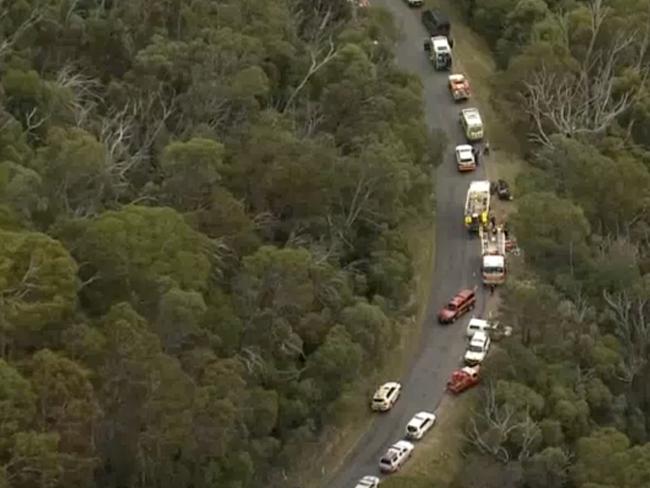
(457, 264)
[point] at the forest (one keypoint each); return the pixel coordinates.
(567, 401)
(201, 234)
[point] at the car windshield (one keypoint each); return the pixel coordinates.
(451, 306)
(493, 269)
(411, 428)
(475, 348)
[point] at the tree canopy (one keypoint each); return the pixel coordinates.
(202, 208)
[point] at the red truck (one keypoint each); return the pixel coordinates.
(464, 301)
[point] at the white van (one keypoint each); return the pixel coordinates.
(470, 120)
(477, 325)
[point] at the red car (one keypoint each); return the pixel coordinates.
(457, 306)
(463, 379)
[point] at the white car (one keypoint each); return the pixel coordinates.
(415, 3)
(465, 158)
(476, 325)
(386, 396)
(419, 425)
(478, 348)
(368, 482)
(396, 456)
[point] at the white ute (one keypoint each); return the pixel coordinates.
(419, 425)
(396, 455)
(386, 396)
(478, 348)
(368, 482)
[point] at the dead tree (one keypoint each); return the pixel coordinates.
(583, 101)
(319, 58)
(492, 426)
(84, 92)
(7, 44)
(632, 330)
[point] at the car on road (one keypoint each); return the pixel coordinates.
(475, 325)
(415, 3)
(463, 302)
(437, 24)
(465, 160)
(396, 456)
(386, 396)
(459, 87)
(368, 482)
(419, 425)
(478, 348)
(463, 379)
(472, 124)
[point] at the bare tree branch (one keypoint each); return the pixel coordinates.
(314, 67)
(632, 330)
(583, 102)
(8, 42)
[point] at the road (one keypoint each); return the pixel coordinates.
(457, 265)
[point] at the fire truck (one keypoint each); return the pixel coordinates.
(477, 205)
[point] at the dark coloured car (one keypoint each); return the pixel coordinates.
(436, 23)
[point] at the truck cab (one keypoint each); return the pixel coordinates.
(439, 52)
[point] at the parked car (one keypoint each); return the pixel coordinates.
(475, 325)
(368, 482)
(465, 158)
(464, 379)
(386, 396)
(464, 301)
(437, 24)
(420, 425)
(459, 87)
(396, 456)
(415, 3)
(478, 348)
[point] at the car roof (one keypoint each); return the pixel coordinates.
(464, 147)
(471, 114)
(479, 336)
(403, 444)
(383, 389)
(493, 260)
(367, 481)
(479, 322)
(422, 416)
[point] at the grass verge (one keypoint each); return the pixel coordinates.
(351, 416)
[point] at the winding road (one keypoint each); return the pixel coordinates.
(457, 263)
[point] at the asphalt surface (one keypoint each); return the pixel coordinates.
(457, 265)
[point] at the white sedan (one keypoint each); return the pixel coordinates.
(368, 482)
(465, 158)
(419, 425)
